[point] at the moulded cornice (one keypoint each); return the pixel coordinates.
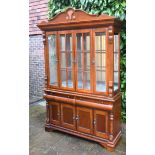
(73, 18)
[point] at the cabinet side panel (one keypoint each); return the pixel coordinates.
(117, 116)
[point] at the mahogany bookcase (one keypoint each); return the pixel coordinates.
(82, 75)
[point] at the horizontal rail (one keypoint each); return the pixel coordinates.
(79, 102)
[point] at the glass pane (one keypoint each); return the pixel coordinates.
(86, 80)
(79, 41)
(103, 60)
(100, 61)
(80, 83)
(97, 42)
(83, 60)
(63, 78)
(116, 73)
(100, 41)
(62, 42)
(103, 41)
(116, 43)
(70, 81)
(115, 80)
(66, 60)
(52, 59)
(86, 39)
(115, 61)
(100, 81)
(68, 42)
(86, 61)
(79, 58)
(63, 60)
(69, 59)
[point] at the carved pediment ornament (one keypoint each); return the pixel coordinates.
(70, 15)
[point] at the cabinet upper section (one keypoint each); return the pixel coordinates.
(73, 19)
(82, 52)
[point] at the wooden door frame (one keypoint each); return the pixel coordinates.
(47, 60)
(76, 66)
(73, 58)
(94, 30)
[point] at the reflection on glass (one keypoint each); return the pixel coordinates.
(100, 61)
(70, 82)
(62, 42)
(63, 78)
(83, 60)
(86, 61)
(52, 59)
(101, 85)
(116, 48)
(115, 61)
(63, 58)
(86, 82)
(66, 60)
(68, 42)
(69, 59)
(79, 42)
(86, 39)
(79, 58)
(80, 83)
(100, 41)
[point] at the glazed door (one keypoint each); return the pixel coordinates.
(54, 113)
(52, 59)
(84, 120)
(68, 116)
(99, 59)
(100, 123)
(65, 39)
(83, 54)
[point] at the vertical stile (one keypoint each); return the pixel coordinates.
(82, 50)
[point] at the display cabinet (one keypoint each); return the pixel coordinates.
(82, 75)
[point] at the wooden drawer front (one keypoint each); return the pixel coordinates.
(68, 116)
(63, 95)
(100, 123)
(54, 112)
(84, 120)
(89, 100)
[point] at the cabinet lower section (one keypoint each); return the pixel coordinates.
(100, 123)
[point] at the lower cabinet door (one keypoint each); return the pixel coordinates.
(68, 116)
(100, 123)
(54, 113)
(84, 120)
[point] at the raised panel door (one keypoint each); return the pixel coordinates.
(54, 112)
(84, 120)
(100, 123)
(68, 116)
